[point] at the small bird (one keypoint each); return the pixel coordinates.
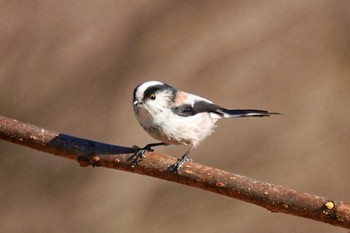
(176, 117)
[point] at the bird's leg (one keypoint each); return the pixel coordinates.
(138, 156)
(176, 166)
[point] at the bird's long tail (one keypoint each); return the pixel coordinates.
(226, 113)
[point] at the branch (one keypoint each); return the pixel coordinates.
(272, 197)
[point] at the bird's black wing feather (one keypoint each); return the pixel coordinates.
(197, 107)
(186, 110)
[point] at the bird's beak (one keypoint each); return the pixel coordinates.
(136, 102)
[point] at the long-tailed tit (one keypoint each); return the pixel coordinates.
(176, 117)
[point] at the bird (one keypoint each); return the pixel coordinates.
(175, 117)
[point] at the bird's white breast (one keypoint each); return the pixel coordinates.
(173, 129)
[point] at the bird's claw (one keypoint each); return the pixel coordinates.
(179, 163)
(140, 154)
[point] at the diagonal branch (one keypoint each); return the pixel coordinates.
(272, 197)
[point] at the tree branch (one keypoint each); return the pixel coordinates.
(272, 197)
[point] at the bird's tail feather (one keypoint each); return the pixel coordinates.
(246, 113)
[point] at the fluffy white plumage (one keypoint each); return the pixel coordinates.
(163, 124)
(176, 117)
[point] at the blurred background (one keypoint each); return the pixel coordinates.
(71, 66)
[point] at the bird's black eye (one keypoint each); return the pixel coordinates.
(152, 96)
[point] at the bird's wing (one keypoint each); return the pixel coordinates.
(192, 105)
(197, 107)
(216, 111)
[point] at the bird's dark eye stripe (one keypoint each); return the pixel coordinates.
(161, 87)
(151, 90)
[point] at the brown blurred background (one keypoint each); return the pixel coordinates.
(71, 66)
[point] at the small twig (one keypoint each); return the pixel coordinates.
(272, 197)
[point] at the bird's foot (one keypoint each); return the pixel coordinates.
(140, 154)
(179, 163)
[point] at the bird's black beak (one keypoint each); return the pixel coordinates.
(137, 103)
